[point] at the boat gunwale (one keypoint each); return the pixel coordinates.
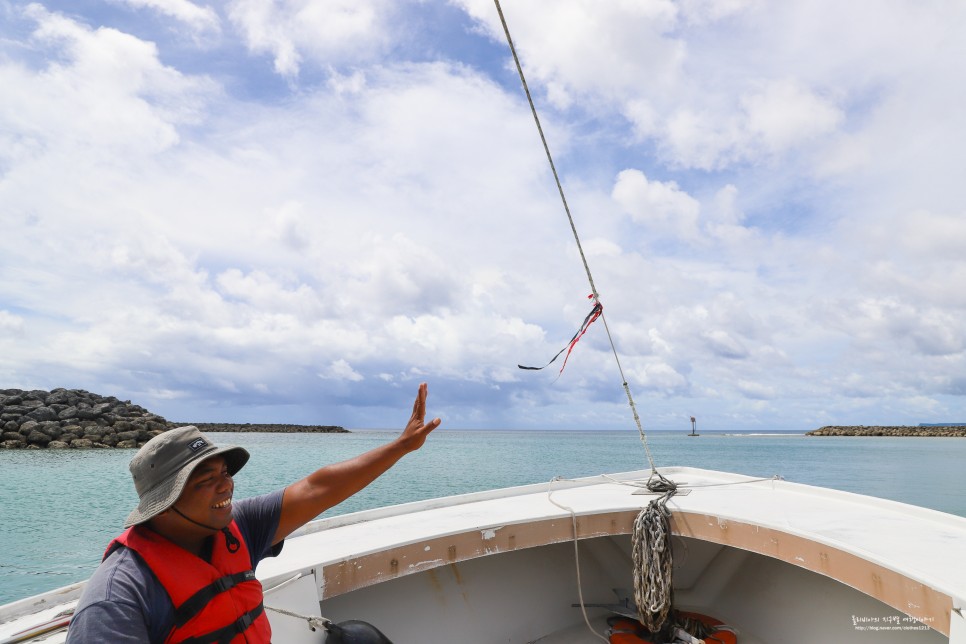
(559, 484)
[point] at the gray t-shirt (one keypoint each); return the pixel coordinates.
(124, 602)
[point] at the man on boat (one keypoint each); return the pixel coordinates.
(184, 568)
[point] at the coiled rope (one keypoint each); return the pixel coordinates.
(653, 563)
(652, 532)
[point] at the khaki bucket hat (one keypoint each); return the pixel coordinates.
(161, 468)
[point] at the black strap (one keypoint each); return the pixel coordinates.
(227, 633)
(197, 602)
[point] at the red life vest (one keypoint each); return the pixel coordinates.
(219, 601)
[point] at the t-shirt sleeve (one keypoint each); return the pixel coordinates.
(107, 621)
(121, 603)
(257, 519)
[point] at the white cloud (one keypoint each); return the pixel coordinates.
(200, 19)
(341, 370)
(771, 120)
(591, 52)
(723, 344)
(710, 11)
(784, 114)
(756, 389)
(290, 227)
(326, 32)
(658, 376)
(926, 234)
(661, 205)
(101, 91)
(11, 326)
(264, 293)
(597, 247)
(880, 322)
(700, 139)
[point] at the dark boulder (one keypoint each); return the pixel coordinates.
(28, 426)
(58, 397)
(42, 414)
(37, 437)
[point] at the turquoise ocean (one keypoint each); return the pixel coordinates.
(61, 508)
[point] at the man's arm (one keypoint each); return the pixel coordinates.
(306, 499)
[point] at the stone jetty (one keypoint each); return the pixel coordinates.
(78, 419)
(876, 430)
(270, 428)
(73, 418)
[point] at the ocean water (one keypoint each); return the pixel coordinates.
(61, 508)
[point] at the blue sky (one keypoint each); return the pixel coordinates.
(295, 210)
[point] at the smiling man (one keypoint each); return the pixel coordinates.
(184, 568)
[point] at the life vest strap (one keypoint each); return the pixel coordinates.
(197, 602)
(227, 633)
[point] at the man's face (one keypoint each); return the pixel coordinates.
(207, 495)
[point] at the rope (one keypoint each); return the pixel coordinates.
(573, 228)
(573, 519)
(314, 622)
(652, 551)
(653, 561)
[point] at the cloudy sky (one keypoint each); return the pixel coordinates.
(297, 210)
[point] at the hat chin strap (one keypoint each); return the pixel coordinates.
(230, 540)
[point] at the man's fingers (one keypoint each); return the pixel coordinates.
(419, 407)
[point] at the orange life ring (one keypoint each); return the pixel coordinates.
(624, 630)
(717, 636)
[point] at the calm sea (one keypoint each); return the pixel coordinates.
(60, 508)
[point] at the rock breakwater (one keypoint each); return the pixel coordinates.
(876, 430)
(78, 419)
(271, 428)
(73, 418)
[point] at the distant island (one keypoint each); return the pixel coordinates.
(78, 419)
(958, 431)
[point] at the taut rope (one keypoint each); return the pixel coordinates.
(573, 228)
(652, 530)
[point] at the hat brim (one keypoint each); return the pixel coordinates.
(166, 493)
